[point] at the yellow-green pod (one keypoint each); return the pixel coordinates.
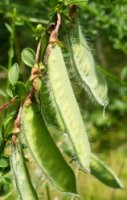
(21, 174)
(84, 66)
(98, 168)
(45, 151)
(103, 173)
(68, 107)
(48, 105)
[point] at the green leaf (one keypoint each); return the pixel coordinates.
(9, 28)
(4, 162)
(28, 56)
(13, 195)
(8, 123)
(102, 172)
(28, 85)
(20, 89)
(78, 2)
(10, 93)
(39, 28)
(123, 74)
(52, 3)
(2, 93)
(3, 68)
(5, 185)
(13, 74)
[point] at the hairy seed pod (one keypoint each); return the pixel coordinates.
(21, 174)
(103, 173)
(98, 168)
(45, 151)
(84, 66)
(48, 105)
(67, 106)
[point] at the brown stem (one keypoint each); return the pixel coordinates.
(28, 100)
(17, 124)
(38, 52)
(35, 73)
(53, 38)
(54, 33)
(2, 107)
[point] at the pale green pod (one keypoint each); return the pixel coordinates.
(103, 173)
(45, 151)
(21, 174)
(98, 168)
(48, 105)
(68, 107)
(84, 66)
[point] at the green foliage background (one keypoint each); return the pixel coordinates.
(105, 25)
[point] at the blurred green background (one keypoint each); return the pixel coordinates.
(104, 23)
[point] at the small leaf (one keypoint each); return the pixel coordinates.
(4, 162)
(78, 2)
(3, 68)
(6, 185)
(39, 28)
(28, 56)
(123, 74)
(13, 74)
(10, 93)
(2, 93)
(8, 124)
(20, 89)
(8, 27)
(102, 172)
(28, 85)
(52, 3)
(12, 194)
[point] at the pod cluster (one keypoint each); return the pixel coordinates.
(54, 106)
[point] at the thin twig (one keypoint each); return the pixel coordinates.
(2, 107)
(28, 100)
(34, 73)
(54, 34)
(17, 124)
(53, 38)
(17, 121)
(38, 52)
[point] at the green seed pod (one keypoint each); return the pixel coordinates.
(84, 66)
(68, 107)
(21, 174)
(102, 172)
(45, 151)
(48, 105)
(98, 168)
